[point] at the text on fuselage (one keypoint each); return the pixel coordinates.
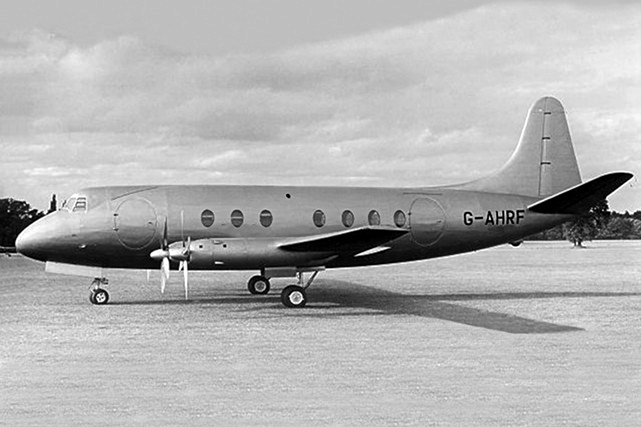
(502, 217)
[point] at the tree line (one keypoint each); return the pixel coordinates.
(599, 224)
(15, 216)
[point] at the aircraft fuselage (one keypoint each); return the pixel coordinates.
(244, 227)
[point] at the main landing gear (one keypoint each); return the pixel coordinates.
(295, 296)
(258, 285)
(292, 296)
(98, 295)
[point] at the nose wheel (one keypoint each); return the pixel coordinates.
(99, 296)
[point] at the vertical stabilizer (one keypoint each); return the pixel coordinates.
(544, 162)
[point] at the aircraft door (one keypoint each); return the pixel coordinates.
(427, 220)
(135, 223)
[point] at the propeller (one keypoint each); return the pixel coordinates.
(183, 265)
(180, 254)
(185, 254)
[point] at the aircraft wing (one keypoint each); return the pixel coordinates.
(348, 241)
(580, 198)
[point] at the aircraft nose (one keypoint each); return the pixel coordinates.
(35, 240)
(27, 242)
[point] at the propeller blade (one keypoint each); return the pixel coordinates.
(165, 245)
(186, 276)
(164, 274)
(182, 227)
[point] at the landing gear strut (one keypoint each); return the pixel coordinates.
(98, 295)
(294, 296)
(258, 285)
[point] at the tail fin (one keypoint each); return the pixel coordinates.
(543, 163)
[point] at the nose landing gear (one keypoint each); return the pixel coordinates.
(99, 296)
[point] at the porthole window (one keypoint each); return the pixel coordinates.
(266, 218)
(374, 218)
(207, 218)
(319, 218)
(237, 218)
(399, 218)
(348, 218)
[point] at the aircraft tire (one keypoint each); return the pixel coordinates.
(293, 296)
(258, 285)
(99, 297)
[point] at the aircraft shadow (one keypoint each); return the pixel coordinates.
(343, 295)
(437, 307)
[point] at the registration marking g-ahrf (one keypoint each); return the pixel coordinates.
(496, 217)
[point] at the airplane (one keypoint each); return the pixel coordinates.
(294, 231)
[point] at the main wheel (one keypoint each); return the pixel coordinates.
(258, 285)
(99, 297)
(293, 296)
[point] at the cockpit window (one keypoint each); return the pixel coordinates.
(81, 205)
(69, 204)
(76, 204)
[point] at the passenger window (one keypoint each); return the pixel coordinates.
(348, 218)
(237, 218)
(319, 218)
(266, 218)
(81, 205)
(399, 218)
(374, 218)
(207, 218)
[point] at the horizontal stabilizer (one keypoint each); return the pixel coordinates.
(349, 241)
(580, 198)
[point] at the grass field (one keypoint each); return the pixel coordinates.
(540, 335)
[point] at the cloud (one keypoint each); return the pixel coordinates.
(435, 102)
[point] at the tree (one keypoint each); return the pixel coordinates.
(585, 228)
(619, 228)
(15, 216)
(555, 233)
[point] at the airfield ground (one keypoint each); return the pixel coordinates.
(540, 335)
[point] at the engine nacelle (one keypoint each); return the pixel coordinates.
(236, 253)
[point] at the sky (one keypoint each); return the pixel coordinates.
(352, 92)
